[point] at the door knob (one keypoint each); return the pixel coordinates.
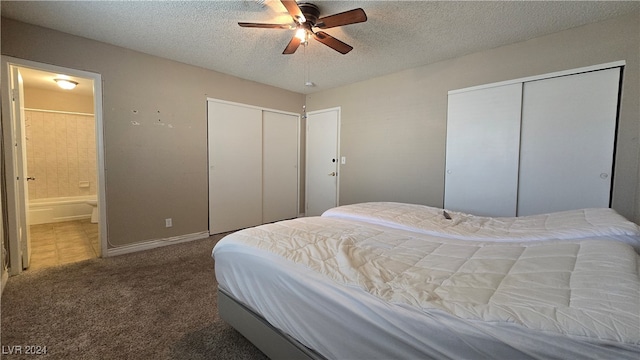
(30, 178)
(333, 173)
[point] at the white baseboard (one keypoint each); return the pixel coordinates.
(152, 244)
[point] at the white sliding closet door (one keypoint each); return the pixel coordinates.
(235, 167)
(280, 166)
(483, 136)
(568, 133)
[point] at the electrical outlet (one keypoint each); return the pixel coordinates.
(168, 222)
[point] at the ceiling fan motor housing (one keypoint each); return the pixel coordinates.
(310, 11)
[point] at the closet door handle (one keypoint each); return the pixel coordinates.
(333, 173)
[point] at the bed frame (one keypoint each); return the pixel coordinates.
(271, 341)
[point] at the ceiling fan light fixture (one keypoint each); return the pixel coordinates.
(301, 34)
(66, 84)
(306, 17)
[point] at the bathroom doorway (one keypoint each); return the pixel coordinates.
(61, 168)
(60, 134)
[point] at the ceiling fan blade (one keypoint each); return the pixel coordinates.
(344, 18)
(294, 10)
(292, 46)
(332, 42)
(265, 26)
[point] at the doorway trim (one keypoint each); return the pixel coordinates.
(7, 63)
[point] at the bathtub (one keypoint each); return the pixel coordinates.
(50, 210)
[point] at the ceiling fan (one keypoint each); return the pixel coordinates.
(307, 17)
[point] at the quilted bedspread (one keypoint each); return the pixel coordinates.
(588, 289)
(595, 222)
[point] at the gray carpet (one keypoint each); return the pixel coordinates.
(155, 304)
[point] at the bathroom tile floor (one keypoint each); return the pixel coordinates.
(63, 243)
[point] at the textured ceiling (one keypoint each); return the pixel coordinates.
(398, 34)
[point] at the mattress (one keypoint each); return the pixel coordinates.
(350, 289)
(572, 224)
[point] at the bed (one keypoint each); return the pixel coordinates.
(603, 223)
(340, 287)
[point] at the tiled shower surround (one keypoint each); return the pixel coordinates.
(61, 154)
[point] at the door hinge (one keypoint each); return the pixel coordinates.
(14, 94)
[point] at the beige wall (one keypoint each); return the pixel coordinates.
(35, 98)
(394, 127)
(155, 127)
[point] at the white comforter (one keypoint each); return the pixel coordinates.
(572, 224)
(584, 289)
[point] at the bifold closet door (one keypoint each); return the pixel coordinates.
(280, 166)
(568, 135)
(483, 136)
(235, 167)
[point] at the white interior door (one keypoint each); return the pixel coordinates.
(279, 166)
(568, 134)
(235, 166)
(322, 161)
(20, 161)
(483, 134)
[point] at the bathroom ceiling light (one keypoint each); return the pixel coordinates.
(66, 83)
